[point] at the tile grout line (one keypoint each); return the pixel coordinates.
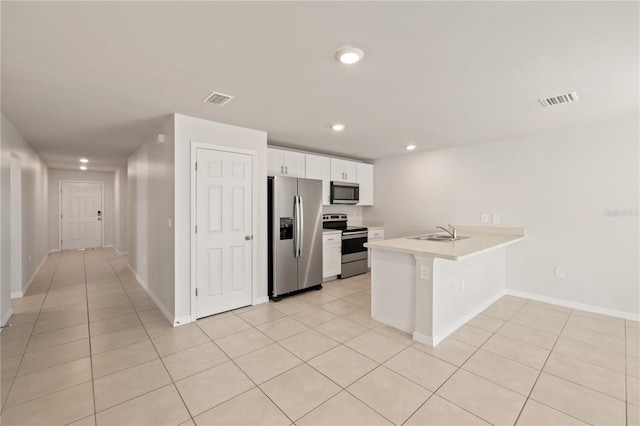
(243, 372)
(154, 348)
(458, 368)
(626, 379)
(93, 387)
(541, 370)
(29, 339)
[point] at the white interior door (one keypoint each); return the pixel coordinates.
(81, 215)
(224, 235)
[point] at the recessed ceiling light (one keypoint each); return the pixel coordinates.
(84, 160)
(349, 55)
(410, 147)
(83, 167)
(338, 127)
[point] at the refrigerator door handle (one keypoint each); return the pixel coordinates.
(301, 219)
(296, 228)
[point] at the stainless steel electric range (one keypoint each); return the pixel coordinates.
(354, 253)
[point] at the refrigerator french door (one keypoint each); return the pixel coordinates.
(295, 234)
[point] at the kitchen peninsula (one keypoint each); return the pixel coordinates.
(431, 288)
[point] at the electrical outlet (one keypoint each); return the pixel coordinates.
(461, 286)
(496, 218)
(169, 222)
(29, 259)
(484, 218)
(424, 272)
(560, 272)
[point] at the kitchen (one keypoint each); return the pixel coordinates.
(519, 115)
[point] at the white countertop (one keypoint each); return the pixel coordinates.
(481, 240)
(331, 231)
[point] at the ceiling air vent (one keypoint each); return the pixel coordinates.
(565, 98)
(217, 98)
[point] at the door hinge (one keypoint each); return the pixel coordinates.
(196, 292)
(196, 229)
(196, 166)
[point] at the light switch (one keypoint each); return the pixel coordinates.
(496, 218)
(560, 272)
(484, 218)
(424, 272)
(169, 222)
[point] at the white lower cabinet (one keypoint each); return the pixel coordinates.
(331, 255)
(374, 235)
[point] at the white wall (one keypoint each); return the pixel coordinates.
(120, 199)
(55, 176)
(34, 178)
(558, 185)
(190, 129)
(150, 184)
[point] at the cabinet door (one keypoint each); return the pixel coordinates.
(365, 180)
(350, 171)
(274, 162)
(337, 170)
(375, 235)
(331, 262)
(319, 167)
(293, 164)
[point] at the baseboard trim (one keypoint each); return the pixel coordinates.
(182, 321)
(462, 321)
(120, 253)
(422, 338)
(54, 251)
(6, 317)
(25, 288)
(260, 300)
(575, 305)
(33, 276)
(174, 321)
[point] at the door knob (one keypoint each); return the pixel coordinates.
(248, 237)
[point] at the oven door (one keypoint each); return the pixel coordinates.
(353, 246)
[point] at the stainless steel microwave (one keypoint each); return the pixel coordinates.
(345, 193)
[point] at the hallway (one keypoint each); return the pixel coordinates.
(87, 346)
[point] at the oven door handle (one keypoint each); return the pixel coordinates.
(354, 235)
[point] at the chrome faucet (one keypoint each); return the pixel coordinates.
(451, 231)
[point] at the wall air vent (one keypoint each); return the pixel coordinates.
(565, 98)
(217, 98)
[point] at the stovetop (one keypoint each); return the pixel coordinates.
(339, 222)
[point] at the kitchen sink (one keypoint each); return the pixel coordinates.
(437, 237)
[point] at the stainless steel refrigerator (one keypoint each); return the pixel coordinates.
(295, 235)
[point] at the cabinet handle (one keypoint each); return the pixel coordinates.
(282, 170)
(286, 170)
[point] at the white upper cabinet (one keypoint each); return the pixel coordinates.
(365, 181)
(319, 167)
(285, 163)
(344, 170)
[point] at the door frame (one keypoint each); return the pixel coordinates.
(60, 182)
(16, 270)
(254, 217)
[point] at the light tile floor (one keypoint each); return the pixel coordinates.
(88, 346)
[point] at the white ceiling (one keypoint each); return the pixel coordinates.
(96, 78)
